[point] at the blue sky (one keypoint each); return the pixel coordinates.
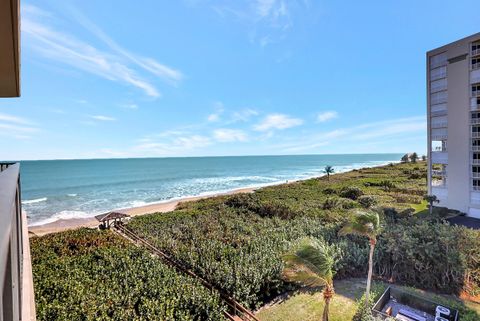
(110, 78)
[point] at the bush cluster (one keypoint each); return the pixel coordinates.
(96, 275)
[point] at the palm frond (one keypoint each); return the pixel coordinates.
(310, 263)
(363, 223)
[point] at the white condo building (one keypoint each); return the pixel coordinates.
(453, 117)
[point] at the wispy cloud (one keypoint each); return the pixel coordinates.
(326, 116)
(215, 116)
(129, 106)
(277, 121)
(244, 115)
(171, 144)
(360, 135)
(102, 118)
(225, 135)
(114, 65)
(16, 127)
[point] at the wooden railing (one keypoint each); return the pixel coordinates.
(13, 230)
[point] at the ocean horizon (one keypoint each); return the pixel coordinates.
(68, 189)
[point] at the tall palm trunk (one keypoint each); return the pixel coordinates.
(327, 296)
(370, 271)
(430, 209)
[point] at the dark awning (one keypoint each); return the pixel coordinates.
(110, 216)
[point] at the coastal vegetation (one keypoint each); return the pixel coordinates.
(238, 242)
(97, 275)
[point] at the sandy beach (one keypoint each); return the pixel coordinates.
(163, 207)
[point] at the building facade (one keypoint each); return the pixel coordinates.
(453, 118)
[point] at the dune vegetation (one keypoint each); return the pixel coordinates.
(237, 242)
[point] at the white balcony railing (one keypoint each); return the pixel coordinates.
(476, 66)
(475, 52)
(476, 148)
(475, 121)
(476, 135)
(439, 137)
(475, 175)
(476, 93)
(442, 124)
(476, 188)
(476, 161)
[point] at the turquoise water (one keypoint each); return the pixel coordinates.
(62, 189)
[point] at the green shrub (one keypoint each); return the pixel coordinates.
(96, 275)
(367, 201)
(352, 192)
(387, 185)
(330, 203)
(329, 191)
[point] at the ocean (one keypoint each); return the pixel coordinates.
(63, 189)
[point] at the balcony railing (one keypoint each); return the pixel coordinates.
(475, 175)
(475, 121)
(16, 283)
(476, 148)
(439, 173)
(439, 137)
(476, 93)
(475, 188)
(442, 124)
(476, 135)
(476, 161)
(476, 66)
(475, 52)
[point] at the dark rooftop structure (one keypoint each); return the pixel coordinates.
(111, 217)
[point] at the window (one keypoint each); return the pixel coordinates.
(476, 90)
(476, 169)
(475, 115)
(476, 142)
(476, 155)
(476, 183)
(475, 46)
(475, 129)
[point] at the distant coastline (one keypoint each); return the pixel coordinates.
(161, 206)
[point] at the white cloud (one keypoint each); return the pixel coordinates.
(230, 135)
(167, 73)
(219, 109)
(171, 144)
(114, 65)
(16, 127)
(277, 121)
(14, 119)
(103, 118)
(326, 116)
(360, 135)
(244, 115)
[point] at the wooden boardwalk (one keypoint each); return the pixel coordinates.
(236, 311)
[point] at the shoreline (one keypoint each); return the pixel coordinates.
(161, 207)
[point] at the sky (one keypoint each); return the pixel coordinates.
(105, 79)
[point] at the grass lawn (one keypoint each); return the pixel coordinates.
(421, 208)
(308, 305)
(305, 305)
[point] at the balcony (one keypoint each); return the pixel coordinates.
(475, 175)
(476, 161)
(443, 124)
(439, 158)
(476, 93)
(475, 52)
(16, 283)
(476, 66)
(441, 173)
(476, 135)
(475, 188)
(475, 121)
(476, 148)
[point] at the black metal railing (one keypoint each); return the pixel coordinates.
(11, 242)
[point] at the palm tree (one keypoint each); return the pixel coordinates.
(405, 158)
(414, 157)
(365, 223)
(311, 263)
(328, 170)
(431, 199)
